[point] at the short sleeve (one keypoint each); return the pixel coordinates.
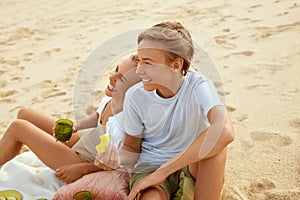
(208, 96)
(132, 121)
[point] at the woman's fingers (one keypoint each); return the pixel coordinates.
(108, 159)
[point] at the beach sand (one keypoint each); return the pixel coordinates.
(254, 45)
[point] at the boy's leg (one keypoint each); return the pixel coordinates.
(209, 176)
(162, 192)
(156, 193)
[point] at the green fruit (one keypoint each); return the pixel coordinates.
(11, 198)
(83, 195)
(10, 195)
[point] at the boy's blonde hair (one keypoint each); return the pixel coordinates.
(176, 39)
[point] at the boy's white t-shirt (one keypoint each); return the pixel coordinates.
(168, 126)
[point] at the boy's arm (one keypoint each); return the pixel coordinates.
(130, 151)
(209, 143)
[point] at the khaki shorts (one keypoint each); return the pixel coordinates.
(170, 185)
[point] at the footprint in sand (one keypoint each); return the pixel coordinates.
(52, 51)
(6, 96)
(41, 85)
(27, 56)
(54, 94)
(282, 14)
(7, 93)
(255, 86)
(225, 40)
(256, 6)
(232, 193)
(282, 194)
(3, 83)
(246, 145)
(246, 53)
(261, 186)
(271, 138)
(295, 123)
(230, 108)
(259, 189)
(241, 117)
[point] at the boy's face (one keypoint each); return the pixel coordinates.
(150, 56)
(156, 71)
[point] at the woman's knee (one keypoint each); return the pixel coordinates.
(24, 113)
(17, 126)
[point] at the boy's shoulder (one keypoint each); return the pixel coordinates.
(135, 88)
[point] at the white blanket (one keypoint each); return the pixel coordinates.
(28, 175)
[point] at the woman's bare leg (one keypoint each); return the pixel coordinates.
(53, 154)
(209, 176)
(41, 120)
(44, 122)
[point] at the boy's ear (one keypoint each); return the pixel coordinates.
(178, 64)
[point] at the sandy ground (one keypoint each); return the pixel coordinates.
(254, 44)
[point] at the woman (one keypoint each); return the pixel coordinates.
(35, 130)
(174, 120)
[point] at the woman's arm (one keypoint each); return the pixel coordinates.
(127, 156)
(71, 173)
(89, 122)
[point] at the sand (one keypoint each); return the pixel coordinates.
(254, 45)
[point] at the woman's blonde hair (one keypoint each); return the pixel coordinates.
(176, 39)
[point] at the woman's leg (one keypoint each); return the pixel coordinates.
(44, 122)
(53, 154)
(40, 120)
(209, 175)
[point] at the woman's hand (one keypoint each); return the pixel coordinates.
(154, 179)
(54, 134)
(71, 173)
(108, 160)
(74, 130)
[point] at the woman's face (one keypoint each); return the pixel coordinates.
(121, 69)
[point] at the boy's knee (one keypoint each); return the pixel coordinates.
(153, 193)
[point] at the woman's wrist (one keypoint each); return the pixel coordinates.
(76, 127)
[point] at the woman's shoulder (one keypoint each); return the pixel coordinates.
(105, 100)
(103, 103)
